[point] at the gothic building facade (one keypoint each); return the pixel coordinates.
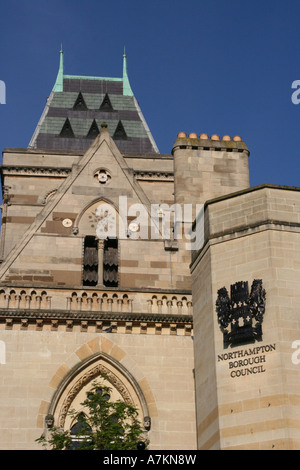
(168, 272)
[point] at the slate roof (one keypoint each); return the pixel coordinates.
(79, 105)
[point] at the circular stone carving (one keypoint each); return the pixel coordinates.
(102, 176)
(67, 223)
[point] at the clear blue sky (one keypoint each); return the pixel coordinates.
(212, 66)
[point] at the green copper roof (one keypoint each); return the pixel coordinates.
(78, 105)
(59, 84)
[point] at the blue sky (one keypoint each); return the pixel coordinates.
(216, 66)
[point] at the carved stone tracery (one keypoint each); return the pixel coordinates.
(84, 380)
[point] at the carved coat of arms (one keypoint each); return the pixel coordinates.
(240, 316)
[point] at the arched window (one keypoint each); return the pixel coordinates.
(100, 264)
(80, 433)
(77, 385)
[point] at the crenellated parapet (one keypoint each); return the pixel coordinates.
(214, 142)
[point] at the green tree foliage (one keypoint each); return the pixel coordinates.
(100, 425)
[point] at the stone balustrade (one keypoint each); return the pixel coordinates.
(95, 301)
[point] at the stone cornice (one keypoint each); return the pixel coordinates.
(154, 175)
(39, 151)
(35, 171)
(102, 322)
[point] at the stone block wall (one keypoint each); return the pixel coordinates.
(36, 362)
(256, 402)
(206, 168)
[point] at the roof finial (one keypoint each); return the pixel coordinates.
(124, 63)
(59, 84)
(126, 85)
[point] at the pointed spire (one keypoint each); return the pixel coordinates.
(126, 85)
(59, 84)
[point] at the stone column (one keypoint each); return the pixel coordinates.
(89, 302)
(38, 301)
(7, 299)
(28, 298)
(100, 262)
(48, 299)
(69, 300)
(18, 299)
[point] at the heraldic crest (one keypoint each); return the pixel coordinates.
(240, 316)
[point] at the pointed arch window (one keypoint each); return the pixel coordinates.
(81, 433)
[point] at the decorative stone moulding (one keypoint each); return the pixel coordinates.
(150, 324)
(154, 175)
(36, 171)
(24, 299)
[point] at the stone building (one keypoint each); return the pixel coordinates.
(117, 258)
